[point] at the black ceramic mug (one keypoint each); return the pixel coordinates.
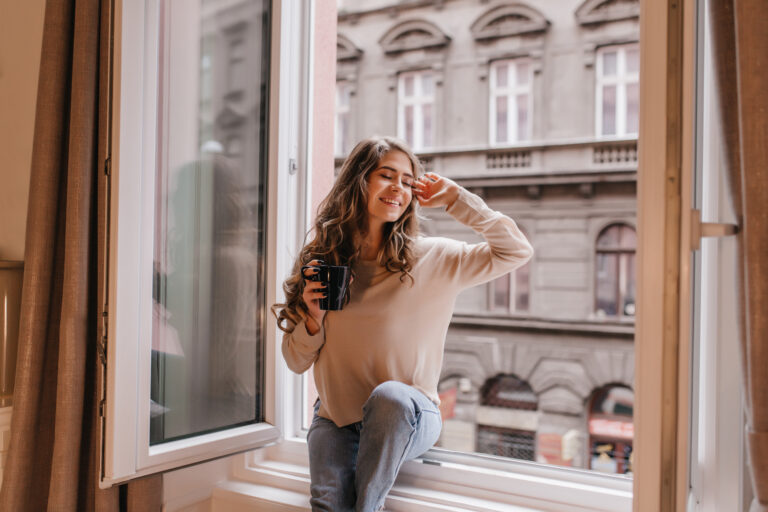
(336, 279)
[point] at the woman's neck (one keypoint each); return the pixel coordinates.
(370, 245)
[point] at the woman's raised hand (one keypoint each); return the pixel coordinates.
(433, 190)
(313, 292)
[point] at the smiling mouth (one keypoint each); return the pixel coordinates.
(390, 202)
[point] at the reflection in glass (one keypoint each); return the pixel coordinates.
(209, 217)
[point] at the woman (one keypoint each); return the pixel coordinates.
(377, 361)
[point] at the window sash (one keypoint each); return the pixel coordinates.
(126, 450)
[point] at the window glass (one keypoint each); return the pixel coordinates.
(206, 368)
(502, 72)
(609, 110)
(522, 288)
(609, 63)
(501, 293)
(633, 108)
(633, 60)
(522, 117)
(522, 73)
(501, 119)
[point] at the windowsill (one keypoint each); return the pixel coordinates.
(440, 481)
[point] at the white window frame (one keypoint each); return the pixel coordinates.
(717, 430)
(480, 479)
(511, 91)
(476, 480)
(126, 450)
(417, 101)
(621, 80)
(342, 111)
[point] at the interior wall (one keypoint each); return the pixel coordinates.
(21, 37)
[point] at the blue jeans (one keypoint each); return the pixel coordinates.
(355, 466)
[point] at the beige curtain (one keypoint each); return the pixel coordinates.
(740, 41)
(53, 459)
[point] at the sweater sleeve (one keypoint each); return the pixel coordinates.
(505, 248)
(300, 349)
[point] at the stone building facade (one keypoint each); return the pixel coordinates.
(533, 106)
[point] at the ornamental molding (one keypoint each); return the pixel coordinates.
(346, 50)
(507, 21)
(602, 11)
(413, 35)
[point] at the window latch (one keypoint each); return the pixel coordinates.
(709, 229)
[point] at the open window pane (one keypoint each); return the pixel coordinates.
(186, 360)
(208, 231)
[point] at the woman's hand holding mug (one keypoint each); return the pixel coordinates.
(433, 190)
(313, 292)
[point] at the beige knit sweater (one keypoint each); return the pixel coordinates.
(395, 330)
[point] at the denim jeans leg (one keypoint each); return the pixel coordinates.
(399, 423)
(332, 456)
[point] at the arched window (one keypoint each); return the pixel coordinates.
(615, 271)
(611, 429)
(507, 418)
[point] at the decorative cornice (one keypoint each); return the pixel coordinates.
(508, 20)
(413, 35)
(346, 49)
(603, 11)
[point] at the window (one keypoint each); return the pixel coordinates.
(511, 293)
(611, 430)
(416, 99)
(187, 358)
(511, 101)
(615, 271)
(343, 130)
(618, 99)
(507, 419)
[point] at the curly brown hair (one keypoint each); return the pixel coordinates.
(342, 221)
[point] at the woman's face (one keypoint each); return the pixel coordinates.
(389, 188)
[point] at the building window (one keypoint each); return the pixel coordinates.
(511, 293)
(416, 117)
(510, 101)
(615, 271)
(611, 430)
(507, 418)
(618, 90)
(343, 114)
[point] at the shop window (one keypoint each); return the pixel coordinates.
(507, 418)
(611, 430)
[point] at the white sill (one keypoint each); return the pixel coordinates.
(277, 478)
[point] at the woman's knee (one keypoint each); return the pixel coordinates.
(390, 398)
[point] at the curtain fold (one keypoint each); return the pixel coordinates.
(53, 458)
(740, 43)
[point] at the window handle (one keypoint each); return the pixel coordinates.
(710, 229)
